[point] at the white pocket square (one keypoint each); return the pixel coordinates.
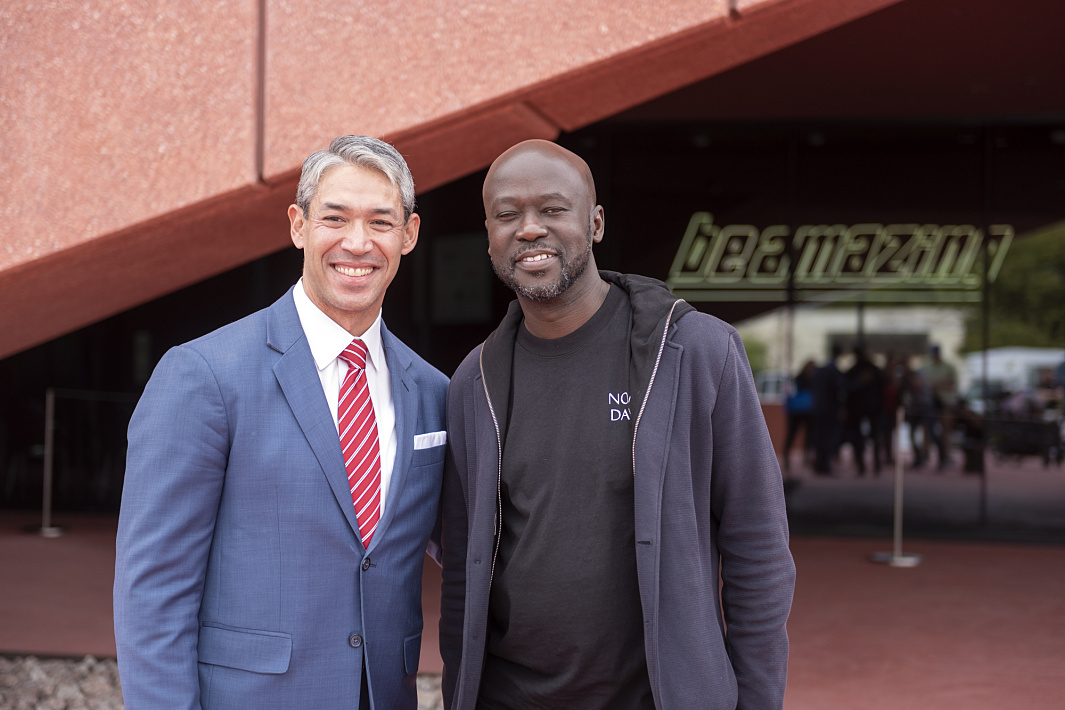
(429, 440)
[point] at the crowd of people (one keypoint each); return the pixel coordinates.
(859, 406)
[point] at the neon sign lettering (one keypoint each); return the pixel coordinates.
(882, 262)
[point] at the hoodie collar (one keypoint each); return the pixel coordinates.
(652, 303)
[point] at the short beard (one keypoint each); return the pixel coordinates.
(568, 274)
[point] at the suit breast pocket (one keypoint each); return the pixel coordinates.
(431, 455)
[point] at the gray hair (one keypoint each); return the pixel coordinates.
(361, 151)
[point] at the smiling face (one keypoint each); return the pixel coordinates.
(542, 219)
(352, 237)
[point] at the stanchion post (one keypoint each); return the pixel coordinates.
(897, 558)
(47, 529)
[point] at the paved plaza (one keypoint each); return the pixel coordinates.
(979, 624)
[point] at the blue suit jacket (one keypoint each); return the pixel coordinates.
(241, 581)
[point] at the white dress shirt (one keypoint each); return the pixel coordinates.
(328, 340)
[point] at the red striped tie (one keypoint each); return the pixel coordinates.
(358, 439)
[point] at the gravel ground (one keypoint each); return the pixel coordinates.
(31, 683)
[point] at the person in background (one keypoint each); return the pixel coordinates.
(942, 381)
(865, 404)
(829, 390)
(1048, 391)
(797, 406)
(892, 399)
(920, 414)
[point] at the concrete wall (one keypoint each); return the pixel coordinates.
(147, 146)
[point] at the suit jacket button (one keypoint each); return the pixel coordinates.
(366, 564)
(354, 640)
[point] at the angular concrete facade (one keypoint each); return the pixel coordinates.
(147, 147)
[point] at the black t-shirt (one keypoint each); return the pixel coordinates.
(565, 627)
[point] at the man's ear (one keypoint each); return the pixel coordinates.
(296, 222)
(598, 224)
(410, 233)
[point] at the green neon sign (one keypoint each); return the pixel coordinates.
(877, 262)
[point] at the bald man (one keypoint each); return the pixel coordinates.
(609, 471)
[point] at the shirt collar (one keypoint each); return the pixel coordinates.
(326, 338)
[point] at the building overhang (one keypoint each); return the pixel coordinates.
(146, 150)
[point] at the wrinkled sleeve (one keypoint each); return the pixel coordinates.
(757, 571)
(175, 467)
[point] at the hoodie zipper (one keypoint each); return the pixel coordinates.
(499, 439)
(499, 471)
(647, 395)
(635, 429)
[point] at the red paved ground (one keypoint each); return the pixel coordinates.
(976, 626)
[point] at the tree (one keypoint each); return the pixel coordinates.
(1027, 300)
(757, 353)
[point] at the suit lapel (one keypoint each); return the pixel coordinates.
(405, 401)
(298, 376)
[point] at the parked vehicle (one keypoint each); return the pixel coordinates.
(770, 385)
(1010, 368)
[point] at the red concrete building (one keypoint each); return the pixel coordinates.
(150, 152)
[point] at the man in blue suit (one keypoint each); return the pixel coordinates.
(268, 555)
